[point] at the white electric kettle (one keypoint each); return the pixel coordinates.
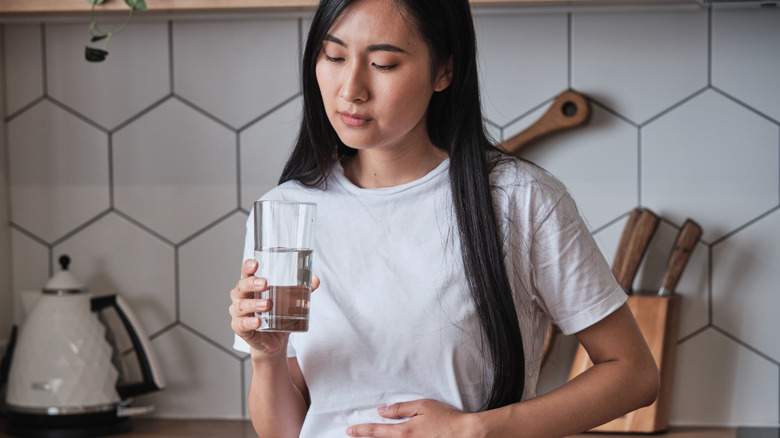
(69, 374)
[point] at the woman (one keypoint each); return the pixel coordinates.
(442, 260)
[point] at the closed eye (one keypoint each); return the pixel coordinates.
(331, 59)
(383, 67)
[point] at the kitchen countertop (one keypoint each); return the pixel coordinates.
(151, 428)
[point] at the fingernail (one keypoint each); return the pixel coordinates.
(260, 304)
(259, 282)
(382, 409)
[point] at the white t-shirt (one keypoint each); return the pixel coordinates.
(393, 319)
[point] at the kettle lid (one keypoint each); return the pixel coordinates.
(64, 282)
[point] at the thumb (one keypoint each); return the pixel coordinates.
(401, 410)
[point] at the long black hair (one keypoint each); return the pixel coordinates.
(455, 124)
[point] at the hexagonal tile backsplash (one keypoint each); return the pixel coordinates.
(143, 170)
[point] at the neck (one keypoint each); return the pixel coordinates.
(380, 168)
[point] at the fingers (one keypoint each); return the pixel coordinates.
(248, 268)
(315, 282)
(395, 411)
(371, 430)
(401, 410)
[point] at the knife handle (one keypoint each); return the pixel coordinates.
(643, 231)
(683, 247)
(628, 229)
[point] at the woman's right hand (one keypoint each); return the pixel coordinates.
(242, 311)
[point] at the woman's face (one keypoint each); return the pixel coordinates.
(374, 73)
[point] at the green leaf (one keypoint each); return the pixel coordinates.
(96, 2)
(138, 5)
(98, 38)
(95, 55)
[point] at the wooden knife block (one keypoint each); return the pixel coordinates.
(659, 320)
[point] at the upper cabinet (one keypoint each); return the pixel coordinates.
(47, 6)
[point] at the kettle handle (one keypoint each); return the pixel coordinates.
(150, 369)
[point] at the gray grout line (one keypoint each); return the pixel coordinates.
(611, 111)
(111, 171)
(28, 233)
(170, 57)
(142, 113)
(210, 341)
(239, 189)
(163, 330)
(675, 105)
(77, 114)
(176, 284)
(81, 227)
(745, 225)
(639, 166)
(547, 102)
(44, 64)
(269, 112)
(207, 228)
(709, 46)
(693, 334)
(143, 227)
(25, 108)
(570, 42)
(744, 344)
(743, 104)
(204, 112)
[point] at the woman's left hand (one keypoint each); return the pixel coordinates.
(427, 418)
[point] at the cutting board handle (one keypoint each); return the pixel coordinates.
(569, 109)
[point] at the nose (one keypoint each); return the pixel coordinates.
(353, 83)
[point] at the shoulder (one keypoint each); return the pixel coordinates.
(516, 181)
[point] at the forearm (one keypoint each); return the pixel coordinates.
(604, 392)
(276, 406)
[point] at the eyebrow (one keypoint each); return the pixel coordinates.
(371, 48)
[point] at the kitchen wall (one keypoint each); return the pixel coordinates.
(6, 293)
(143, 168)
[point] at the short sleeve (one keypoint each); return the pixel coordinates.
(570, 274)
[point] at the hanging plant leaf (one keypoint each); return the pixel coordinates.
(138, 5)
(98, 37)
(95, 55)
(96, 2)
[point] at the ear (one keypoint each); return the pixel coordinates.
(444, 76)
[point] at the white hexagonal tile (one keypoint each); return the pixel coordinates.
(29, 272)
(606, 187)
(265, 147)
(523, 62)
(209, 266)
(175, 170)
(113, 255)
(744, 285)
(134, 75)
(721, 383)
(236, 69)
(713, 160)
(745, 59)
(58, 175)
(202, 381)
(23, 65)
(639, 62)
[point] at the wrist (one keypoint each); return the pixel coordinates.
(476, 425)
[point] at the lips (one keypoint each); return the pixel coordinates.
(353, 119)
